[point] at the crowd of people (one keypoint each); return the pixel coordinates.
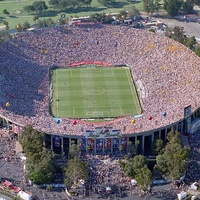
(7, 147)
(193, 172)
(106, 177)
(167, 72)
(9, 159)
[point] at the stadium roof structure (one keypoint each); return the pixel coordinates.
(166, 73)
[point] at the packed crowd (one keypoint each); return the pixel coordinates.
(193, 172)
(9, 159)
(7, 147)
(167, 70)
(106, 177)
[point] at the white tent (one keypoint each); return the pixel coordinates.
(193, 186)
(181, 195)
(25, 195)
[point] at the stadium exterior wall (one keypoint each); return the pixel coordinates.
(60, 143)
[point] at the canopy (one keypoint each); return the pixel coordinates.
(7, 183)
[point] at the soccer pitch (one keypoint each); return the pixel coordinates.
(93, 92)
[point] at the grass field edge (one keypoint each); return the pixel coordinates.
(131, 82)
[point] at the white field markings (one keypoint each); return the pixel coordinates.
(84, 107)
(132, 88)
(56, 93)
(98, 72)
(96, 109)
(73, 112)
(120, 109)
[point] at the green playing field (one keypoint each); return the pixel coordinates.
(93, 92)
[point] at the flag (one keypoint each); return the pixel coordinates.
(124, 142)
(107, 143)
(115, 143)
(83, 143)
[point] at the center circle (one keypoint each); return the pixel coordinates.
(94, 90)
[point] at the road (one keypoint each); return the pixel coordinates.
(191, 28)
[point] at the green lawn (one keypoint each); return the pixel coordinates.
(17, 5)
(93, 92)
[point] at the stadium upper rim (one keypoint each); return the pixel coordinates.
(166, 73)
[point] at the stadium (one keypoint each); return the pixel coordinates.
(163, 73)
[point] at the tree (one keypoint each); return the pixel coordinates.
(44, 170)
(49, 22)
(61, 21)
(159, 146)
(136, 163)
(101, 17)
(39, 162)
(172, 7)
(87, 2)
(177, 33)
(5, 23)
(25, 25)
(122, 15)
(137, 168)
(35, 18)
(191, 42)
(4, 34)
(133, 12)
(75, 171)
(74, 150)
(63, 4)
(188, 6)
(158, 5)
(34, 148)
(7, 27)
(197, 50)
(137, 143)
(39, 6)
(161, 164)
(143, 177)
(106, 2)
(174, 137)
(197, 2)
(149, 6)
(5, 12)
(54, 3)
(40, 24)
(173, 162)
(121, 149)
(28, 9)
(132, 149)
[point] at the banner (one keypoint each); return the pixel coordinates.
(189, 120)
(107, 143)
(56, 141)
(115, 143)
(124, 142)
(99, 144)
(83, 144)
(90, 143)
(103, 132)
